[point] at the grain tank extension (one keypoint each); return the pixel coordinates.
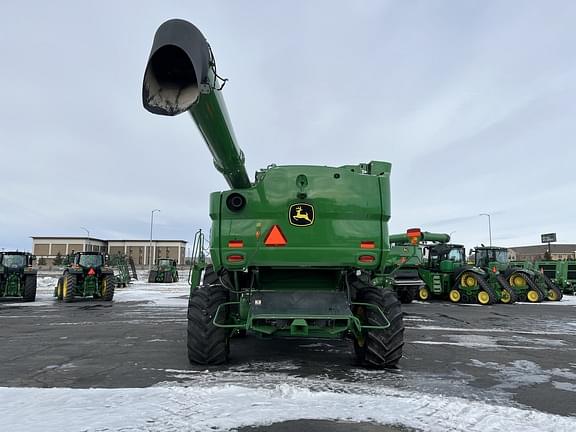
(293, 252)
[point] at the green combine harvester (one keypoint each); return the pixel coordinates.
(165, 271)
(561, 273)
(17, 277)
(403, 262)
(87, 275)
(293, 253)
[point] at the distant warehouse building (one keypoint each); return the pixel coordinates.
(50, 247)
(534, 253)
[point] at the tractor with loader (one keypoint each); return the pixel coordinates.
(165, 270)
(17, 276)
(87, 275)
(293, 253)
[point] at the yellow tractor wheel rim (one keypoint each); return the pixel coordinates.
(533, 296)
(455, 296)
(506, 297)
(468, 281)
(483, 297)
(423, 294)
(65, 288)
(552, 295)
(517, 281)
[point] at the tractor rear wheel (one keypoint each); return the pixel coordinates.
(207, 344)
(168, 277)
(58, 288)
(152, 276)
(378, 348)
(108, 285)
(29, 294)
(68, 287)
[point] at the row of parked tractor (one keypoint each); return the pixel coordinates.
(85, 275)
(426, 266)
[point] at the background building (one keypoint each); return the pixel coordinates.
(533, 253)
(49, 247)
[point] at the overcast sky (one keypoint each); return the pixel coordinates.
(473, 102)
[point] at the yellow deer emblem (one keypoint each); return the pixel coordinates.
(301, 214)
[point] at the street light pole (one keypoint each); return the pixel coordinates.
(489, 226)
(88, 233)
(150, 246)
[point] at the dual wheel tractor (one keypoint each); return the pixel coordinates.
(17, 277)
(87, 275)
(294, 254)
(165, 271)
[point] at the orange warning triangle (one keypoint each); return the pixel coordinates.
(275, 237)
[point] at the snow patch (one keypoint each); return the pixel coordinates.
(225, 407)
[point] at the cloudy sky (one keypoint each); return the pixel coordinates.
(473, 102)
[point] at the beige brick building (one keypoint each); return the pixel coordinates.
(49, 247)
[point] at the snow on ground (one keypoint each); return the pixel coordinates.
(225, 407)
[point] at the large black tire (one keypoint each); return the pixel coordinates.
(58, 289)
(152, 276)
(107, 288)
(176, 277)
(380, 348)
(554, 293)
(207, 344)
(168, 277)
(406, 294)
(68, 287)
(505, 286)
(29, 288)
(533, 286)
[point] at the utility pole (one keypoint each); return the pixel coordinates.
(150, 258)
(489, 226)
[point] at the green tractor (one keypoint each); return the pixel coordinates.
(448, 275)
(17, 277)
(165, 271)
(293, 253)
(87, 275)
(494, 260)
(547, 289)
(561, 273)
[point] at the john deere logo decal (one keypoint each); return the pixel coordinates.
(301, 215)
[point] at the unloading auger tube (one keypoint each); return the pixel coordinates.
(181, 76)
(423, 236)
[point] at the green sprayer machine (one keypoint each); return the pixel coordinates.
(165, 270)
(87, 275)
(293, 252)
(17, 276)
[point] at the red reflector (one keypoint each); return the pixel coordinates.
(235, 258)
(366, 258)
(275, 237)
(494, 269)
(91, 272)
(235, 244)
(367, 245)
